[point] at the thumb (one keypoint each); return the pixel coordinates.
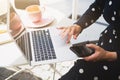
(75, 36)
(93, 46)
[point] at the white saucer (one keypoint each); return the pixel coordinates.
(46, 20)
(42, 23)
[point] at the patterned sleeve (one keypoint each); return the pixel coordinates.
(118, 55)
(92, 14)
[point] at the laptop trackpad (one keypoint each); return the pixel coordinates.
(58, 41)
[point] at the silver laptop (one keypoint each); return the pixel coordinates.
(43, 45)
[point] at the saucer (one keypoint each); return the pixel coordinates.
(42, 23)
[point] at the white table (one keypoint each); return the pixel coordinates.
(11, 55)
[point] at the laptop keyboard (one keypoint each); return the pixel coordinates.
(42, 44)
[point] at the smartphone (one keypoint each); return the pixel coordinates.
(81, 50)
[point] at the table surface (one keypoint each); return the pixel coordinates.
(11, 54)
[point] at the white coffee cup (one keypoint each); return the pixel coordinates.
(35, 12)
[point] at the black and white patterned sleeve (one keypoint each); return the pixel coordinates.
(92, 14)
(118, 55)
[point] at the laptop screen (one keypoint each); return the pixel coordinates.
(18, 32)
(15, 23)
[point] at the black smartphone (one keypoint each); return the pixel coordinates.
(81, 50)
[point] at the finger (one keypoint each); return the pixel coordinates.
(62, 32)
(68, 38)
(91, 58)
(75, 36)
(72, 33)
(67, 34)
(93, 46)
(60, 27)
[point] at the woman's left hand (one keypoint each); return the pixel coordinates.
(100, 54)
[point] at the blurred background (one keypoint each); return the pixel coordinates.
(47, 72)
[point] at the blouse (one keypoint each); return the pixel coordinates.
(110, 9)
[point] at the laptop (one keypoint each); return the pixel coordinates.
(44, 45)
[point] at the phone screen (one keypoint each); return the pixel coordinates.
(82, 51)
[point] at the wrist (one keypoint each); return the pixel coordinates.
(110, 56)
(78, 27)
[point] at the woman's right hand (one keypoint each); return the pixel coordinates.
(70, 31)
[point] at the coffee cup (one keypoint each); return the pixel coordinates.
(15, 22)
(34, 12)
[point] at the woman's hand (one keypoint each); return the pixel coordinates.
(70, 31)
(100, 54)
